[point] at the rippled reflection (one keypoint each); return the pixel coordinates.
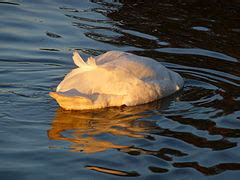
(113, 171)
(84, 127)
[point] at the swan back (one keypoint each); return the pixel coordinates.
(116, 78)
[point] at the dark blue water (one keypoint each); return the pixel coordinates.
(194, 134)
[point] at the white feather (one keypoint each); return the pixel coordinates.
(78, 60)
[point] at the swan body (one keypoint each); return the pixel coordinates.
(114, 79)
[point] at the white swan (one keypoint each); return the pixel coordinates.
(114, 79)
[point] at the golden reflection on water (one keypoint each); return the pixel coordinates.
(84, 126)
(113, 171)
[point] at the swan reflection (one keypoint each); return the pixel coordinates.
(82, 128)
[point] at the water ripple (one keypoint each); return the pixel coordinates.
(9, 3)
(217, 169)
(200, 52)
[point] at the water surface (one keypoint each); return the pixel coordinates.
(193, 134)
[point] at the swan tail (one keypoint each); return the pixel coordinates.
(72, 102)
(91, 61)
(78, 61)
